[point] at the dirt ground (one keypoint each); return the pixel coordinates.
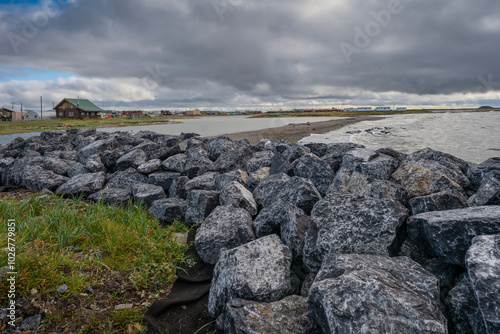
(295, 132)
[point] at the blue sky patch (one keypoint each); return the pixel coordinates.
(25, 74)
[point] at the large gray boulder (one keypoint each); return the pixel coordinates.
(316, 170)
(200, 203)
(448, 234)
(280, 164)
(349, 182)
(177, 189)
(287, 316)
(174, 163)
(197, 162)
(233, 159)
(441, 157)
(445, 200)
(236, 194)
(97, 147)
(83, 184)
(163, 179)
(146, 194)
(421, 181)
(286, 220)
(94, 164)
(151, 166)
(267, 190)
(257, 176)
(301, 192)
(110, 157)
(463, 308)
(207, 181)
(125, 179)
(235, 175)
(348, 224)
(452, 171)
(296, 152)
(226, 227)
(112, 196)
(36, 178)
(489, 191)
(372, 294)
(476, 173)
(257, 271)
(370, 163)
(483, 266)
(77, 169)
(259, 159)
(167, 210)
(132, 159)
(220, 145)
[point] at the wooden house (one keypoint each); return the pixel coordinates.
(195, 112)
(7, 115)
(77, 108)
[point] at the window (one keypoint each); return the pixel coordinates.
(70, 113)
(61, 113)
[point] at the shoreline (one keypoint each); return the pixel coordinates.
(295, 132)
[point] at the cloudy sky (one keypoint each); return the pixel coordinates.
(250, 54)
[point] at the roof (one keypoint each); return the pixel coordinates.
(5, 109)
(82, 104)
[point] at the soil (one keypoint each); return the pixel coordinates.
(295, 132)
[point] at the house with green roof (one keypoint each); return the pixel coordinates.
(77, 108)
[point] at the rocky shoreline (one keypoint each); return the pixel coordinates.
(305, 238)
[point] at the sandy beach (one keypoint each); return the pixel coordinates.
(295, 132)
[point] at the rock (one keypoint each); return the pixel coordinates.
(125, 179)
(349, 182)
(150, 166)
(175, 163)
(420, 181)
(197, 162)
(206, 181)
(451, 171)
(296, 152)
(62, 289)
(77, 169)
(94, 164)
(147, 146)
(147, 193)
(287, 316)
(489, 191)
(259, 160)
(348, 224)
(443, 158)
(163, 179)
(235, 175)
(280, 164)
(226, 227)
(83, 184)
(445, 200)
(220, 145)
(36, 178)
(236, 194)
(463, 308)
(476, 173)
(318, 149)
(233, 159)
(286, 220)
(188, 135)
(170, 141)
(31, 323)
(393, 153)
(448, 234)
(177, 189)
(315, 170)
(255, 178)
(483, 266)
(239, 273)
(167, 210)
(356, 293)
(97, 147)
(112, 196)
(370, 163)
(132, 159)
(110, 157)
(200, 203)
(267, 190)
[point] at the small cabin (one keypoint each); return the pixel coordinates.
(31, 116)
(77, 109)
(195, 112)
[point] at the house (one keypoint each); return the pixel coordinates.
(195, 112)
(166, 113)
(31, 116)
(134, 115)
(7, 115)
(77, 108)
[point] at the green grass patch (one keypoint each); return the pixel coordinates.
(69, 241)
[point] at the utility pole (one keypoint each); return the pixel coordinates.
(12, 105)
(41, 109)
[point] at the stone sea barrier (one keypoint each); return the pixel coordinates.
(305, 238)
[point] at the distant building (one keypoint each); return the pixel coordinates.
(134, 115)
(401, 108)
(383, 109)
(166, 113)
(364, 109)
(77, 108)
(195, 112)
(31, 116)
(7, 115)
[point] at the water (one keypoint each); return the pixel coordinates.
(205, 126)
(473, 136)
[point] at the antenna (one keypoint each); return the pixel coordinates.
(12, 105)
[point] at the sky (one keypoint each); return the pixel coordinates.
(250, 54)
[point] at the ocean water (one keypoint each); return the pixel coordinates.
(472, 136)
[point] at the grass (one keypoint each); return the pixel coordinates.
(65, 124)
(121, 251)
(340, 114)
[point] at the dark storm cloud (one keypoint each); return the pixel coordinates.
(270, 50)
